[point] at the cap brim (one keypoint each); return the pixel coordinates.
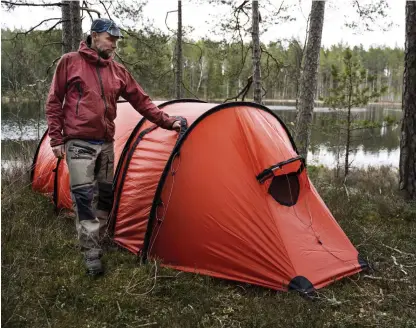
(114, 31)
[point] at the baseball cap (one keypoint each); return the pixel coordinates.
(100, 25)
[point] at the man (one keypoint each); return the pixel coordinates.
(80, 111)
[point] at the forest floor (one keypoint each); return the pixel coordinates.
(44, 285)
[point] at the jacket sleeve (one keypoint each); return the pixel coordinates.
(54, 103)
(142, 103)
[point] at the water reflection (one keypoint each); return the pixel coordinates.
(376, 146)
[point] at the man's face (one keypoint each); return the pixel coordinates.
(105, 43)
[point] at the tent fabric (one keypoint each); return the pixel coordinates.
(228, 197)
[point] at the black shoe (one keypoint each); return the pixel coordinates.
(92, 261)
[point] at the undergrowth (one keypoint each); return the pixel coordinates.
(44, 285)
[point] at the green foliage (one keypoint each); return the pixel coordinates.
(212, 70)
(350, 85)
(351, 90)
(25, 61)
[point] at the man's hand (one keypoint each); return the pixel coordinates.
(176, 126)
(59, 151)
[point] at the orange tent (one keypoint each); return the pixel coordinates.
(228, 196)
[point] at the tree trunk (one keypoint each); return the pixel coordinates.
(408, 136)
(66, 27)
(76, 25)
(349, 121)
(178, 73)
(256, 53)
(201, 75)
(309, 78)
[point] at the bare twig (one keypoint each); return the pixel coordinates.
(386, 279)
(346, 189)
(399, 265)
(147, 324)
(85, 5)
(164, 73)
(51, 28)
(49, 44)
(398, 251)
(166, 18)
(126, 62)
(106, 10)
(90, 10)
(361, 12)
(243, 92)
(278, 63)
(189, 90)
(53, 63)
(243, 62)
(32, 28)
(147, 292)
(11, 4)
(195, 45)
(264, 92)
(46, 315)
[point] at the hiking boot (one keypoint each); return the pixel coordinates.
(107, 244)
(92, 260)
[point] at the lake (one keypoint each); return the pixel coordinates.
(25, 122)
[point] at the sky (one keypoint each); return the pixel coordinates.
(201, 18)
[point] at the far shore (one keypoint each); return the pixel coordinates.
(281, 102)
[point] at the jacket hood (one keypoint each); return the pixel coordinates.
(91, 55)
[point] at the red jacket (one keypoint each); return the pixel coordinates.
(82, 101)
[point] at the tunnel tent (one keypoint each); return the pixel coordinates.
(228, 196)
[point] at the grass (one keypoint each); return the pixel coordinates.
(44, 285)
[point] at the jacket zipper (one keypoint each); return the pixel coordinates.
(78, 85)
(102, 95)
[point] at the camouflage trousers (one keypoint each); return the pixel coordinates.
(91, 169)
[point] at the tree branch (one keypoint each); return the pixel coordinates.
(85, 4)
(200, 50)
(88, 10)
(243, 92)
(50, 29)
(11, 4)
(49, 44)
(189, 90)
(126, 62)
(106, 10)
(31, 29)
(243, 61)
(53, 63)
(279, 64)
(166, 18)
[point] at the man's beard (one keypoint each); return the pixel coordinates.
(103, 54)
